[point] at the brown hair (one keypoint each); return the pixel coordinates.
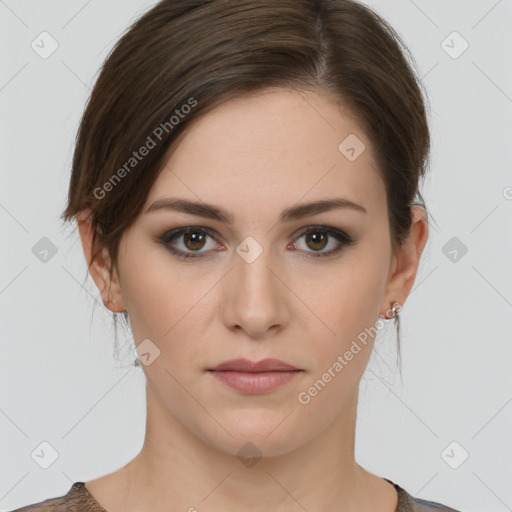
(182, 58)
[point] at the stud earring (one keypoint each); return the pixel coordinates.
(395, 308)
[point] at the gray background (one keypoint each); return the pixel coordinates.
(60, 383)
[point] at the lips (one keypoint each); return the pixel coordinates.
(254, 377)
(247, 366)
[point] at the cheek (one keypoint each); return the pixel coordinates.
(146, 289)
(351, 295)
(347, 306)
(164, 303)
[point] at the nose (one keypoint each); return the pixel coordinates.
(255, 297)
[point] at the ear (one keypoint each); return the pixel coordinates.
(108, 286)
(405, 263)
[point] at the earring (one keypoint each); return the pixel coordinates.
(394, 311)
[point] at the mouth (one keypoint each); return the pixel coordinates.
(255, 377)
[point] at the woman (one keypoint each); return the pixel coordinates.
(245, 182)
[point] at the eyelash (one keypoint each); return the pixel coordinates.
(342, 237)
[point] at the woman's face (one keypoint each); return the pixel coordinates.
(259, 286)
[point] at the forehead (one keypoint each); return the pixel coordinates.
(276, 147)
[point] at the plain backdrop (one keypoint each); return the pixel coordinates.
(443, 433)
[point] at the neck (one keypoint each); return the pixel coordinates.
(176, 466)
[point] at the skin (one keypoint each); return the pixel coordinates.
(256, 156)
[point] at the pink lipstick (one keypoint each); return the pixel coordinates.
(254, 377)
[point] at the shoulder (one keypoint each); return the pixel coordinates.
(408, 503)
(77, 499)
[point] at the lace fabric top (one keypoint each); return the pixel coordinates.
(78, 499)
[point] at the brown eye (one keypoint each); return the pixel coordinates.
(194, 240)
(316, 240)
(189, 243)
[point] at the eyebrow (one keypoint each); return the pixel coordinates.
(213, 212)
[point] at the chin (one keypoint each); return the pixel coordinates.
(251, 449)
(255, 438)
